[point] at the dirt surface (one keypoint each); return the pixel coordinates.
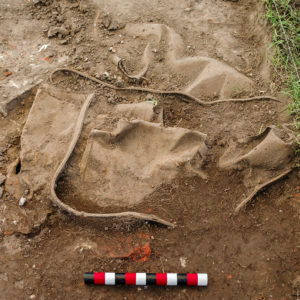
(209, 49)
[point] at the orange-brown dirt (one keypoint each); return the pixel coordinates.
(211, 49)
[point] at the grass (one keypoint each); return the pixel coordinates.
(284, 17)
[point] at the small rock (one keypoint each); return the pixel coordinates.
(111, 24)
(182, 262)
(60, 18)
(84, 7)
(32, 297)
(106, 20)
(3, 277)
(74, 5)
(115, 26)
(64, 42)
(2, 179)
(149, 97)
(1, 192)
(19, 284)
(22, 201)
(54, 31)
(119, 84)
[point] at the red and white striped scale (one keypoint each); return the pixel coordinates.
(167, 279)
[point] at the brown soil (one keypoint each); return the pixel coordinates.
(212, 49)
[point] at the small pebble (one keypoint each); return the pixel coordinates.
(149, 97)
(22, 201)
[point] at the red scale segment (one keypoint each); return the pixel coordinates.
(130, 278)
(192, 279)
(161, 279)
(99, 278)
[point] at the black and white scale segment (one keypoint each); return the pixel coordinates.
(167, 279)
